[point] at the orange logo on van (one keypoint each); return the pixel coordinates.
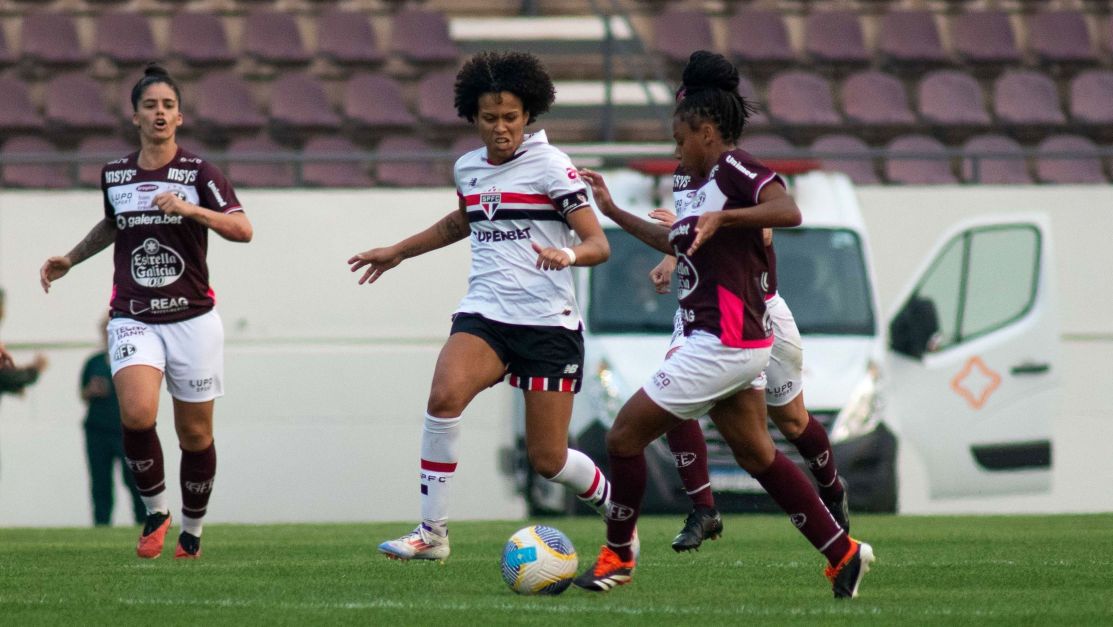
(976, 382)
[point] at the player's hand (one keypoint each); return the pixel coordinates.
(6, 360)
(96, 388)
(706, 226)
(664, 217)
(599, 191)
(661, 274)
(550, 258)
(377, 261)
(171, 204)
(54, 269)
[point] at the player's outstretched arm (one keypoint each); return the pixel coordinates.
(449, 230)
(654, 235)
(775, 208)
(98, 238)
(592, 250)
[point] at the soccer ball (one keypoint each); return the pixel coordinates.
(539, 560)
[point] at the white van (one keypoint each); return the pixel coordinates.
(968, 380)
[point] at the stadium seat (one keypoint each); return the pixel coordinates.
(99, 149)
(50, 39)
(1060, 37)
(875, 99)
(1091, 97)
(463, 144)
(927, 163)
(333, 173)
(1000, 170)
(984, 37)
(1027, 98)
(1086, 167)
(835, 37)
(74, 102)
(16, 111)
(347, 38)
(766, 146)
(395, 169)
(199, 39)
(298, 104)
(952, 98)
(802, 98)
(7, 57)
(678, 32)
(125, 38)
(258, 174)
(434, 99)
(373, 103)
(757, 38)
(853, 157)
(223, 104)
(910, 38)
(42, 175)
(760, 115)
(422, 38)
(273, 37)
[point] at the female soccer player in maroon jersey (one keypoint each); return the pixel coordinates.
(722, 272)
(159, 205)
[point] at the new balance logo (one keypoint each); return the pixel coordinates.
(571, 368)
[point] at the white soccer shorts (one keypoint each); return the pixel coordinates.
(189, 353)
(702, 372)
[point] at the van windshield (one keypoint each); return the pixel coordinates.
(820, 273)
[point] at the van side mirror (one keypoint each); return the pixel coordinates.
(913, 329)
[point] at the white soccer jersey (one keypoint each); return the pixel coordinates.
(526, 199)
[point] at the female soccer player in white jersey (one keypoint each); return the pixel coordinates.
(522, 206)
(722, 271)
(159, 205)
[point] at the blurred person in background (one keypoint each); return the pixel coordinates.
(14, 379)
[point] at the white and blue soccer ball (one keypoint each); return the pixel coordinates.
(539, 560)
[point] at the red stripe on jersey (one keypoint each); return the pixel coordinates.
(566, 385)
(594, 484)
(537, 384)
(438, 466)
(515, 381)
(513, 198)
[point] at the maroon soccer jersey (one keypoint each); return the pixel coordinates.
(722, 287)
(161, 271)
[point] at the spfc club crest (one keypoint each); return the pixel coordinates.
(489, 201)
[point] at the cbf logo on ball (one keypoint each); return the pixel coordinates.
(156, 265)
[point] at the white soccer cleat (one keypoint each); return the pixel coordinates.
(420, 544)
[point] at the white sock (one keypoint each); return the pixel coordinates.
(585, 480)
(156, 503)
(192, 526)
(440, 441)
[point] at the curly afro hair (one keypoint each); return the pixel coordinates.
(519, 73)
(710, 92)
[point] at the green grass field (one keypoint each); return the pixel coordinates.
(991, 570)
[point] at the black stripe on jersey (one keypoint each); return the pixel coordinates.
(544, 215)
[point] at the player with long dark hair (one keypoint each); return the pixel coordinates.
(522, 206)
(159, 205)
(719, 370)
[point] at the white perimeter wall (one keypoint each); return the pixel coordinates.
(326, 381)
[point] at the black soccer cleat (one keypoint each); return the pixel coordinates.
(703, 523)
(608, 572)
(189, 546)
(846, 576)
(840, 507)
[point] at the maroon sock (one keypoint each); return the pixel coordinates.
(627, 491)
(689, 450)
(143, 455)
(791, 490)
(198, 470)
(815, 447)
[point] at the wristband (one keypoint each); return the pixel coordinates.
(571, 255)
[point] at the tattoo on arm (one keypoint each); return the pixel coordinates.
(453, 228)
(98, 238)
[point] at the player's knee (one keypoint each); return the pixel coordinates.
(547, 462)
(443, 403)
(138, 415)
(755, 459)
(620, 443)
(194, 437)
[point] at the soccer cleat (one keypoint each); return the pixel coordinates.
(189, 547)
(840, 507)
(153, 536)
(420, 544)
(702, 523)
(846, 576)
(608, 571)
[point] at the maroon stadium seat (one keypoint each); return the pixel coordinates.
(51, 39)
(677, 32)
(853, 157)
(434, 99)
(835, 37)
(756, 36)
(273, 37)
(100, 149)
(766, 146)
(373, 102)
(1091, 97)
(952, 98)
(223, 104)
(1060, 37)
(333, 173)
(875, 98)
(16, 111)
(928, 164)
(801, 98)
(298, 103)
(1083, 168)
(255, 174)
(75, 102)
(910, 37)
(199, 39)
(760, 116)
(44, 175)
(984, 37)
(346, 38)
(401, 172)
(6, 55)
(1027, 97)
(1002, 170)
(125, 38)
(422, 37)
